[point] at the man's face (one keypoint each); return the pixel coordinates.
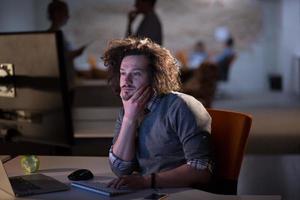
(134, 74)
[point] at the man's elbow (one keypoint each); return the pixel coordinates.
(201, 178)
(120, 172)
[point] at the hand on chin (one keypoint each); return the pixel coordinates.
(125, 96)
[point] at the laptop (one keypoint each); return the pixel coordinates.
(29, 184)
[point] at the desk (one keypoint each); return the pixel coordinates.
(271, 174)
(60, 167)
(4, 158)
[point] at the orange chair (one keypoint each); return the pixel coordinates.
(230, 131)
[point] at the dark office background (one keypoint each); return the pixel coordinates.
(268, 44)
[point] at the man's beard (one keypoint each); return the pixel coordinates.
(127, 92)
(125, 96)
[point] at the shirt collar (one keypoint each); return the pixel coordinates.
(152, 103)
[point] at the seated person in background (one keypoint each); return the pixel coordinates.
(203, 84)
(191, 61)
(197, 56)
(162, 137)
(225, 59)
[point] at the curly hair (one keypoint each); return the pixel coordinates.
(164, 71)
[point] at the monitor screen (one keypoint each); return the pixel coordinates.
(34, 95)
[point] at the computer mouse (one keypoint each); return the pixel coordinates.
(80, 175)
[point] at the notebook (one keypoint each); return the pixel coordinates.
(29, 184)
(100, 188)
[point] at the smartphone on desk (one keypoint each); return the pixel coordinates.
(156, 196)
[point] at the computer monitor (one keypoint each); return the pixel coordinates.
(34, 96)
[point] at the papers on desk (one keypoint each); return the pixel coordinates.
(100, 188)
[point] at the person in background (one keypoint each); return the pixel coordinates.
(191, 61)
(197, 56)
(58, 14)
(162, 137)
(225, 59)
(150, 26)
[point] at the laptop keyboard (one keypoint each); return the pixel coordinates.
(21, 184)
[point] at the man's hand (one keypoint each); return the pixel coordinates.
(134, 106)
(134, 102)
(131, 181)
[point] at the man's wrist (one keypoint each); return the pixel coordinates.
(129, 120)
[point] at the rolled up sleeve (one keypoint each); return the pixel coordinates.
(193, 125)
(201, 164)
(119, 166)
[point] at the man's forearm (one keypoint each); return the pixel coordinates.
(124, 146)
(182, 176)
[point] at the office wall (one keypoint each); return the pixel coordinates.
(269, 52)
(17, 15)
(273, 52)
(289, 30)
(251, 70)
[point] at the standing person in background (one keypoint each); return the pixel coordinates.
(162, 137)
(58, 14)
(150, 26)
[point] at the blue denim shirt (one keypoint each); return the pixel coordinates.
(175, 131)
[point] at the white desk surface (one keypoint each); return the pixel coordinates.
(4, 158)
(60, 167)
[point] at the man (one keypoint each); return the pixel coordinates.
(162, 137)
(150, 26)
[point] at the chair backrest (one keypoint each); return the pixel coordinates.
(230, 131)
(202, 83)
(207, 80)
